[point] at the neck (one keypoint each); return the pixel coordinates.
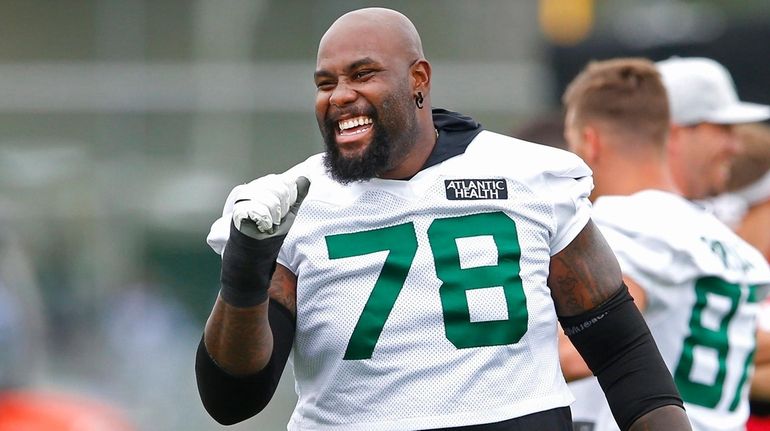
(415, 159)
(625, 176)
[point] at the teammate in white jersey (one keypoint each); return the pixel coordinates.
(745, 207)
(420, 282)
(696, 281)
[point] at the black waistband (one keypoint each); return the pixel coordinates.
(558, 419)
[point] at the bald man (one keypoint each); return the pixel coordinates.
(419, 282)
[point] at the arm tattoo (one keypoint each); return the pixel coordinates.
(568, 286)
(584, 274)
(283, 289)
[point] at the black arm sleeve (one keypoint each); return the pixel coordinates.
(231, 399)
(617, 345)
(247, 266)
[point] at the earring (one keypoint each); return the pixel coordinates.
(418, 100)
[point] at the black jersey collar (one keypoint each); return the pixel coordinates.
(455, 132)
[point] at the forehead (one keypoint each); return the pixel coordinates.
(342, 46)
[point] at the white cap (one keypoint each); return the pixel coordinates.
(700, 90)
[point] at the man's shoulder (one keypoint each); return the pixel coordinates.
(510, 143)
(667, 224)
(518, 156)
(652, 213)
(657, 212)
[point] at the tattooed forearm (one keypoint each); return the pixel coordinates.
(584, 274)
(283, 289)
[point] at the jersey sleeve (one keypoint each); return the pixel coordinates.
(763, 318)
(569, 190)
(641, 256)
(645, 253)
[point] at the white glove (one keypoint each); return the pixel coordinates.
(265, 201)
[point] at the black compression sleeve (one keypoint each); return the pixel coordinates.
(247, 265)
(617, 346)
(230, 399)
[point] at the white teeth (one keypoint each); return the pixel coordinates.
(354, 122)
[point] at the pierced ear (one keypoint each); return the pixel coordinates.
(421, 73)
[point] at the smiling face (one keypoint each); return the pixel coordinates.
(364, 99)
(701, 162)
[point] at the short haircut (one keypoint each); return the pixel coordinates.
(625, 94)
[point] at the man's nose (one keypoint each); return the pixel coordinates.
(342, 95)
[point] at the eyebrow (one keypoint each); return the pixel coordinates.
(352, 66)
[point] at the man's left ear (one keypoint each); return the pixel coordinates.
(420, 72)
(592, 143)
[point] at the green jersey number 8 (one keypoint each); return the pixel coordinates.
(401, 243)
(715, 339)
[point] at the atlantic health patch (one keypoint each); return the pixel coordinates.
(473, 189)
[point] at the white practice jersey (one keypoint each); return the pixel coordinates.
(423, 303)
(702, 284)
(763, 322)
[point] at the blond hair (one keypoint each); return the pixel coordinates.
(626, 94)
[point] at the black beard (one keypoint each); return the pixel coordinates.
(386, 150)
(374, 160)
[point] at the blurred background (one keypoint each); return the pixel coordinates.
(125, 123)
